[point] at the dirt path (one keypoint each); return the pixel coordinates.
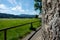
(37, 36)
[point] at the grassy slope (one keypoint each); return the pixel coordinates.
(14, 34)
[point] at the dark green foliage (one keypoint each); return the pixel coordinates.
(38, 0)
(38, 5)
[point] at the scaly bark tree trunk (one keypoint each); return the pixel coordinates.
(50, 20)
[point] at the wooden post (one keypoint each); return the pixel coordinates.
(31, 28)
(5, 34)
(31, 25)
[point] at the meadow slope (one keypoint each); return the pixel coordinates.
(16, 33)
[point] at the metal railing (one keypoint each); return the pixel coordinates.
(6, 29)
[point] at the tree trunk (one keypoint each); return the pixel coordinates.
(50, 20)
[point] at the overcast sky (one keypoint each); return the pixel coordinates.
(17, 7)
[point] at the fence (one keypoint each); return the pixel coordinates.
(5, 30)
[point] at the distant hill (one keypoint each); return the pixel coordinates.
(4, 15)
(27, 16)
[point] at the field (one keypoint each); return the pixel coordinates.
(17, 33)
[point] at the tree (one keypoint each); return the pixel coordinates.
(38, 5)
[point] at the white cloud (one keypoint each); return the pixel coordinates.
(12, 2)
(34, 12)
(4, 11)
(18, 8)
(15, 10)
(11, 10)
(2, 6)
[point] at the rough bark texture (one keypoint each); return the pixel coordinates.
(50, 20)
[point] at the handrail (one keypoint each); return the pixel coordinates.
(17, 26)
(5, 29)
(34, 34)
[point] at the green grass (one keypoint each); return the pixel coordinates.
(17, 33)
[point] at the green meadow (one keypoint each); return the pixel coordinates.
(19, 32)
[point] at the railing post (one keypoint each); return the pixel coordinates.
(31, 26)
(5, 34)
